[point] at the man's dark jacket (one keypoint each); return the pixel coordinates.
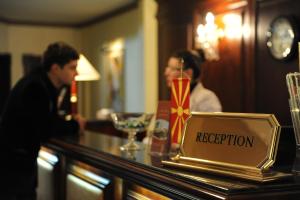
(29, 118)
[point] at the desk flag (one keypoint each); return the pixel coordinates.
(180, 107)
(73, 98)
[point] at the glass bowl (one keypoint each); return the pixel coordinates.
(131, 123)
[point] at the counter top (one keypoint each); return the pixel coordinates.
(102, 151)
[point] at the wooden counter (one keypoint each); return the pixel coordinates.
(139, 168)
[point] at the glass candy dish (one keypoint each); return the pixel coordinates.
(131, 123)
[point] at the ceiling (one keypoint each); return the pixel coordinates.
(61, 12)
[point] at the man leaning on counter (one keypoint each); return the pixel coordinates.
(30, 117)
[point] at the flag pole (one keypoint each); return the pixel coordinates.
(299, 56)
(181, 67)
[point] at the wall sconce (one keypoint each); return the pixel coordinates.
(233, 26)
(208, 36)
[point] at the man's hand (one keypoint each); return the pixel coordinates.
(81, 121)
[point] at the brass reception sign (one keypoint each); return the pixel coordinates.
(235, 144)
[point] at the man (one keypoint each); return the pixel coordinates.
(30, 117)
(201, 99)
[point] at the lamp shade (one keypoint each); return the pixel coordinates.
(85, 70)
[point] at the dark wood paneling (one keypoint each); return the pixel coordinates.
(246, 78)
(224, 76)
(170, 44)
(229, 77)
(5, 61)
(175, 31)
(271, 90)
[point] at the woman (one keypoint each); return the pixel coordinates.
(201, 99)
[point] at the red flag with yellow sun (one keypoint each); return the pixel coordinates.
(180, 107)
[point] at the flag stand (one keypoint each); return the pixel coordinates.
(180, 108)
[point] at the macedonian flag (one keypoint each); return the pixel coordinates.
(180, 107)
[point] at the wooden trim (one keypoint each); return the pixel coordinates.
(249, 59)
(36, 23)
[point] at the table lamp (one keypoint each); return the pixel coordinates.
(86, 72)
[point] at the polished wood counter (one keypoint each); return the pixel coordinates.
(140, 168)
(106, 126)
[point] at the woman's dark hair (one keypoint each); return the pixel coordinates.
(59, 53)
(191, 60)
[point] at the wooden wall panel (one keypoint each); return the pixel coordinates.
(229, 76)
(175, 31)
(271, 90)
(246, 78)
(170, 43)
(224, 76)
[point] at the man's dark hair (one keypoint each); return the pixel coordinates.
(191, 60)
(59, 53)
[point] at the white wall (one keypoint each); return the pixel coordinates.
(136, 27)
(134, 73)
(3, 38)
(140, 56)
(150, 55)
(128, 27)
(34, 40)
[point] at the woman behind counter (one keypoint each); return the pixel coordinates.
(201, 99)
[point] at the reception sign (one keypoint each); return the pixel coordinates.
(235, 144)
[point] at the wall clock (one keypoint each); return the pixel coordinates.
(282, 38)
